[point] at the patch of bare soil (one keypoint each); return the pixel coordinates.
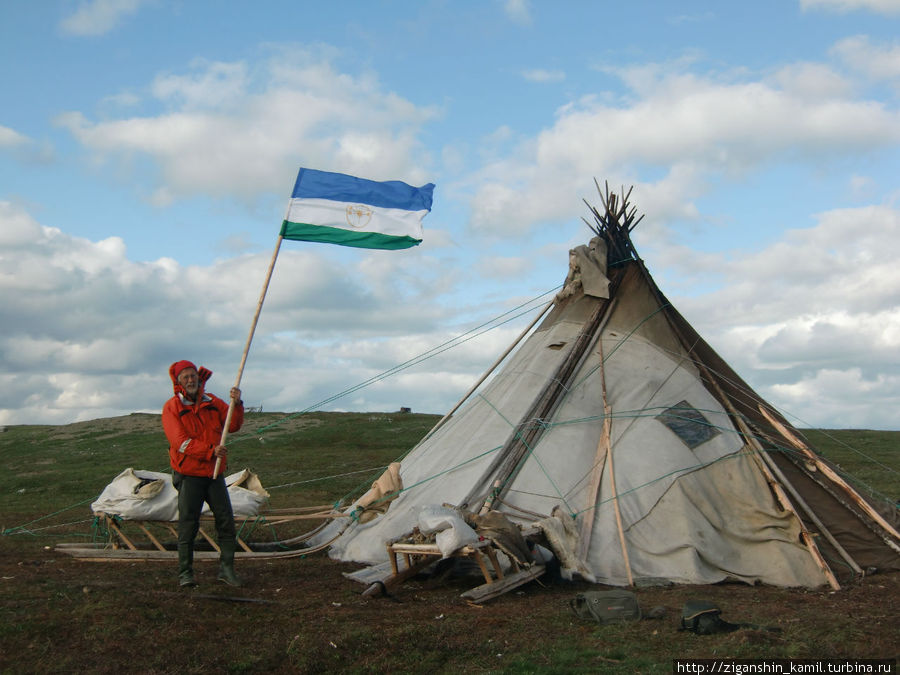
(302, 615)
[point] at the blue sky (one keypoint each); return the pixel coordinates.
(148, 149)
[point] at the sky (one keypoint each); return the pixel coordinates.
(148, 149)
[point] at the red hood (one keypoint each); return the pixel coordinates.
(203, 374)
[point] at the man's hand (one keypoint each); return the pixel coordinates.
(235, 394)
(220, 451)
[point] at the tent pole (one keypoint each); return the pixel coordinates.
(587, 524)
(489, 370)
(828, 471)
(615, 498)
(237, 380)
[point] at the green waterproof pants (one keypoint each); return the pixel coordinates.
(193, 491)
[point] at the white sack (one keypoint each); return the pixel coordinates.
(451, 531)
(246, 493)
(123, 497)
(157, 499)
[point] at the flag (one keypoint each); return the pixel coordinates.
(334, 208)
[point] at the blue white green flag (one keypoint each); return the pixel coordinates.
(334, 208)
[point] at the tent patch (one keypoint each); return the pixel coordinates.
(688, 424)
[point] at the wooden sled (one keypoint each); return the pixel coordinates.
(127, 546)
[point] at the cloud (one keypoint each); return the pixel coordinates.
(519, 11)
(812, 81)
(10, 138)
(877, 62)
(24, 149)
(230, 132)
(888, 7)
(845, 397)
(677, 124)
(541, 76)
(96, 17)
(89, 333)
(819, 306)
(211, 85)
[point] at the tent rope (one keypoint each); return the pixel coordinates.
(416, 360)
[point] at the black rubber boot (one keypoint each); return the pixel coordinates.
(186, 566)
(226, 564)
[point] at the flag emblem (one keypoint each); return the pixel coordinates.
(358, 215)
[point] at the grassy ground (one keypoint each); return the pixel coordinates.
(302, 615)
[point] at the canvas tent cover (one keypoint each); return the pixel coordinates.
(614, 404)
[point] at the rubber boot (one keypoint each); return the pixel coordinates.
(186, 566)
(226, 564)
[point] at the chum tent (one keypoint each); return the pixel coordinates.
(615, 416)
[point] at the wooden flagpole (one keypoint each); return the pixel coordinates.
(237, 380)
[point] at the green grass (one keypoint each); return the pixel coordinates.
(869, 459)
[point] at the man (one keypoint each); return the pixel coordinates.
(193, 422)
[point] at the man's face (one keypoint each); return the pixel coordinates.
(189, 381)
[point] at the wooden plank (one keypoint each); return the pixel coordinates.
(112, 526)
(113, 555)
(487, 592)
(492, 554)
(395, 580)
(150, 536)
(418, 549)
(392, 558)
(488, 579)
(371, 574)
(209, 539)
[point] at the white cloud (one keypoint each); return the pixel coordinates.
(842, 397)
(812, 81)
(88, 333)
(96, 17)
(10, 138)
(877, 62)
(227, 133)
(210, 85)
(519, 11)
(503, 268)
(541, 75)
(678, 124)
(818, 307)
(888, 7)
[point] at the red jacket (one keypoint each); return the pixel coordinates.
(194, 431)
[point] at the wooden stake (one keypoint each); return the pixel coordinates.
(237, 380)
